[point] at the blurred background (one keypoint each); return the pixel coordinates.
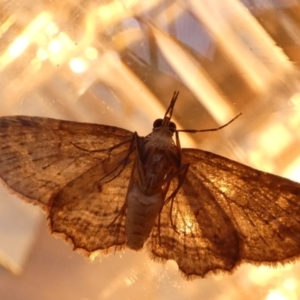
(118, 63)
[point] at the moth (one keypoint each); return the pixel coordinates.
(105, 188)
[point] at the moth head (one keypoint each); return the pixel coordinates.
(164, 123)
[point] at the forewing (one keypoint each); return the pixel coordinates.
(261, 210)
(90, 210)
(39, 156)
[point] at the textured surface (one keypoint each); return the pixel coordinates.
(223, 214)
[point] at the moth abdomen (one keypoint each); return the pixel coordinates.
(142, 211)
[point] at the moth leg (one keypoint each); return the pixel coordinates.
(138, 162)
(178, 146)
(131, 149)
(181, 174)
(121, 165)
(109, 150)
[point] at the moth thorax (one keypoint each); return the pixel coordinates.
(142, 211)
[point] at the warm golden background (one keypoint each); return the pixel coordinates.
(118, 63)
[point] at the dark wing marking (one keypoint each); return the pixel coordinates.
(39, 156)
(226, 213)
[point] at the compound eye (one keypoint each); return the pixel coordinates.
(157, 123)
(172, 127)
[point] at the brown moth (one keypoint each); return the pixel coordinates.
(105, 188)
